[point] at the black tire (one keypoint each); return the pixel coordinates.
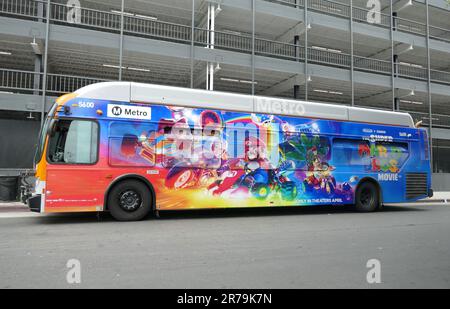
(367, 197)
(130, 200)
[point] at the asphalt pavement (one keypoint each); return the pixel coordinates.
(254, 248)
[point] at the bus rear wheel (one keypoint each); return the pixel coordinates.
(367, 198)
(129, 200)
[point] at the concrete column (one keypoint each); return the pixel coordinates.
(394, 20)
(397, 104)
(38, 58)
(352, 56)
(45, 65)
(122, 9)
(296, 91)
(306, 49)
(192, 42)
(297, 58)
(37, 76)
(430, 110)
(211, 26)
(395, 62)
(253, 45)
(391, 31)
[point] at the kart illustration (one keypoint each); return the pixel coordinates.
(259, 183)
(182, 177)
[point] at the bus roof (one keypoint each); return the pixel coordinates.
(176, 96)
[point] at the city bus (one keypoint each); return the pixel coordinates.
(137, 149)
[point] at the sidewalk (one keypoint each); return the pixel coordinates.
(438, 197)
(6, 207)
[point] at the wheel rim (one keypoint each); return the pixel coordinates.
(130, 200)
(367, 197)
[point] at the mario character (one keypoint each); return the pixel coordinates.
(310, 183)
(313, 158)
(327, 181)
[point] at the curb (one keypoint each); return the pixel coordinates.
(445, 201)
(13, 207)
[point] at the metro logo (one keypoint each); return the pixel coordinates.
(129, 112)
(116, 110)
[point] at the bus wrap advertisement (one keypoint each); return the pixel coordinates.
(200, 158)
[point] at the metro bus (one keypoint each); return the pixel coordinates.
(134, 149)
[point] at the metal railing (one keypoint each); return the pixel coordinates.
(18, 80)
(292, 3)
(441, 34)
(57, 84)
(27, 8)
(84, 17)
(440, 76)
(111, 20)
(147, 27)
(372, 65)
(329, 7)
(439, 120)
(330, 58)
(157, 29)
(410, 26)
(360, 15)
(411, 71)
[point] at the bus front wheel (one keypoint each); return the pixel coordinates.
(129, 200)
(367, 198)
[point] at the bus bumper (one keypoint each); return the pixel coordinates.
(430, 193)
(35, 203)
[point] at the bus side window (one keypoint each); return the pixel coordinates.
(390, 156)
(351, 153)
(74, 142)
(129, 150)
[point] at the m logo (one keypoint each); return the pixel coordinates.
(116, 110)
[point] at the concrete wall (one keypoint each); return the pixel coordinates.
(18, 139)
(441, 182)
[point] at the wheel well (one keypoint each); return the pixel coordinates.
(130, 177)
(370, 179)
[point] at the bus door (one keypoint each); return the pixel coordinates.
(73, 180)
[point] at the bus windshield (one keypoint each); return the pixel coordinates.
(43, 135)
